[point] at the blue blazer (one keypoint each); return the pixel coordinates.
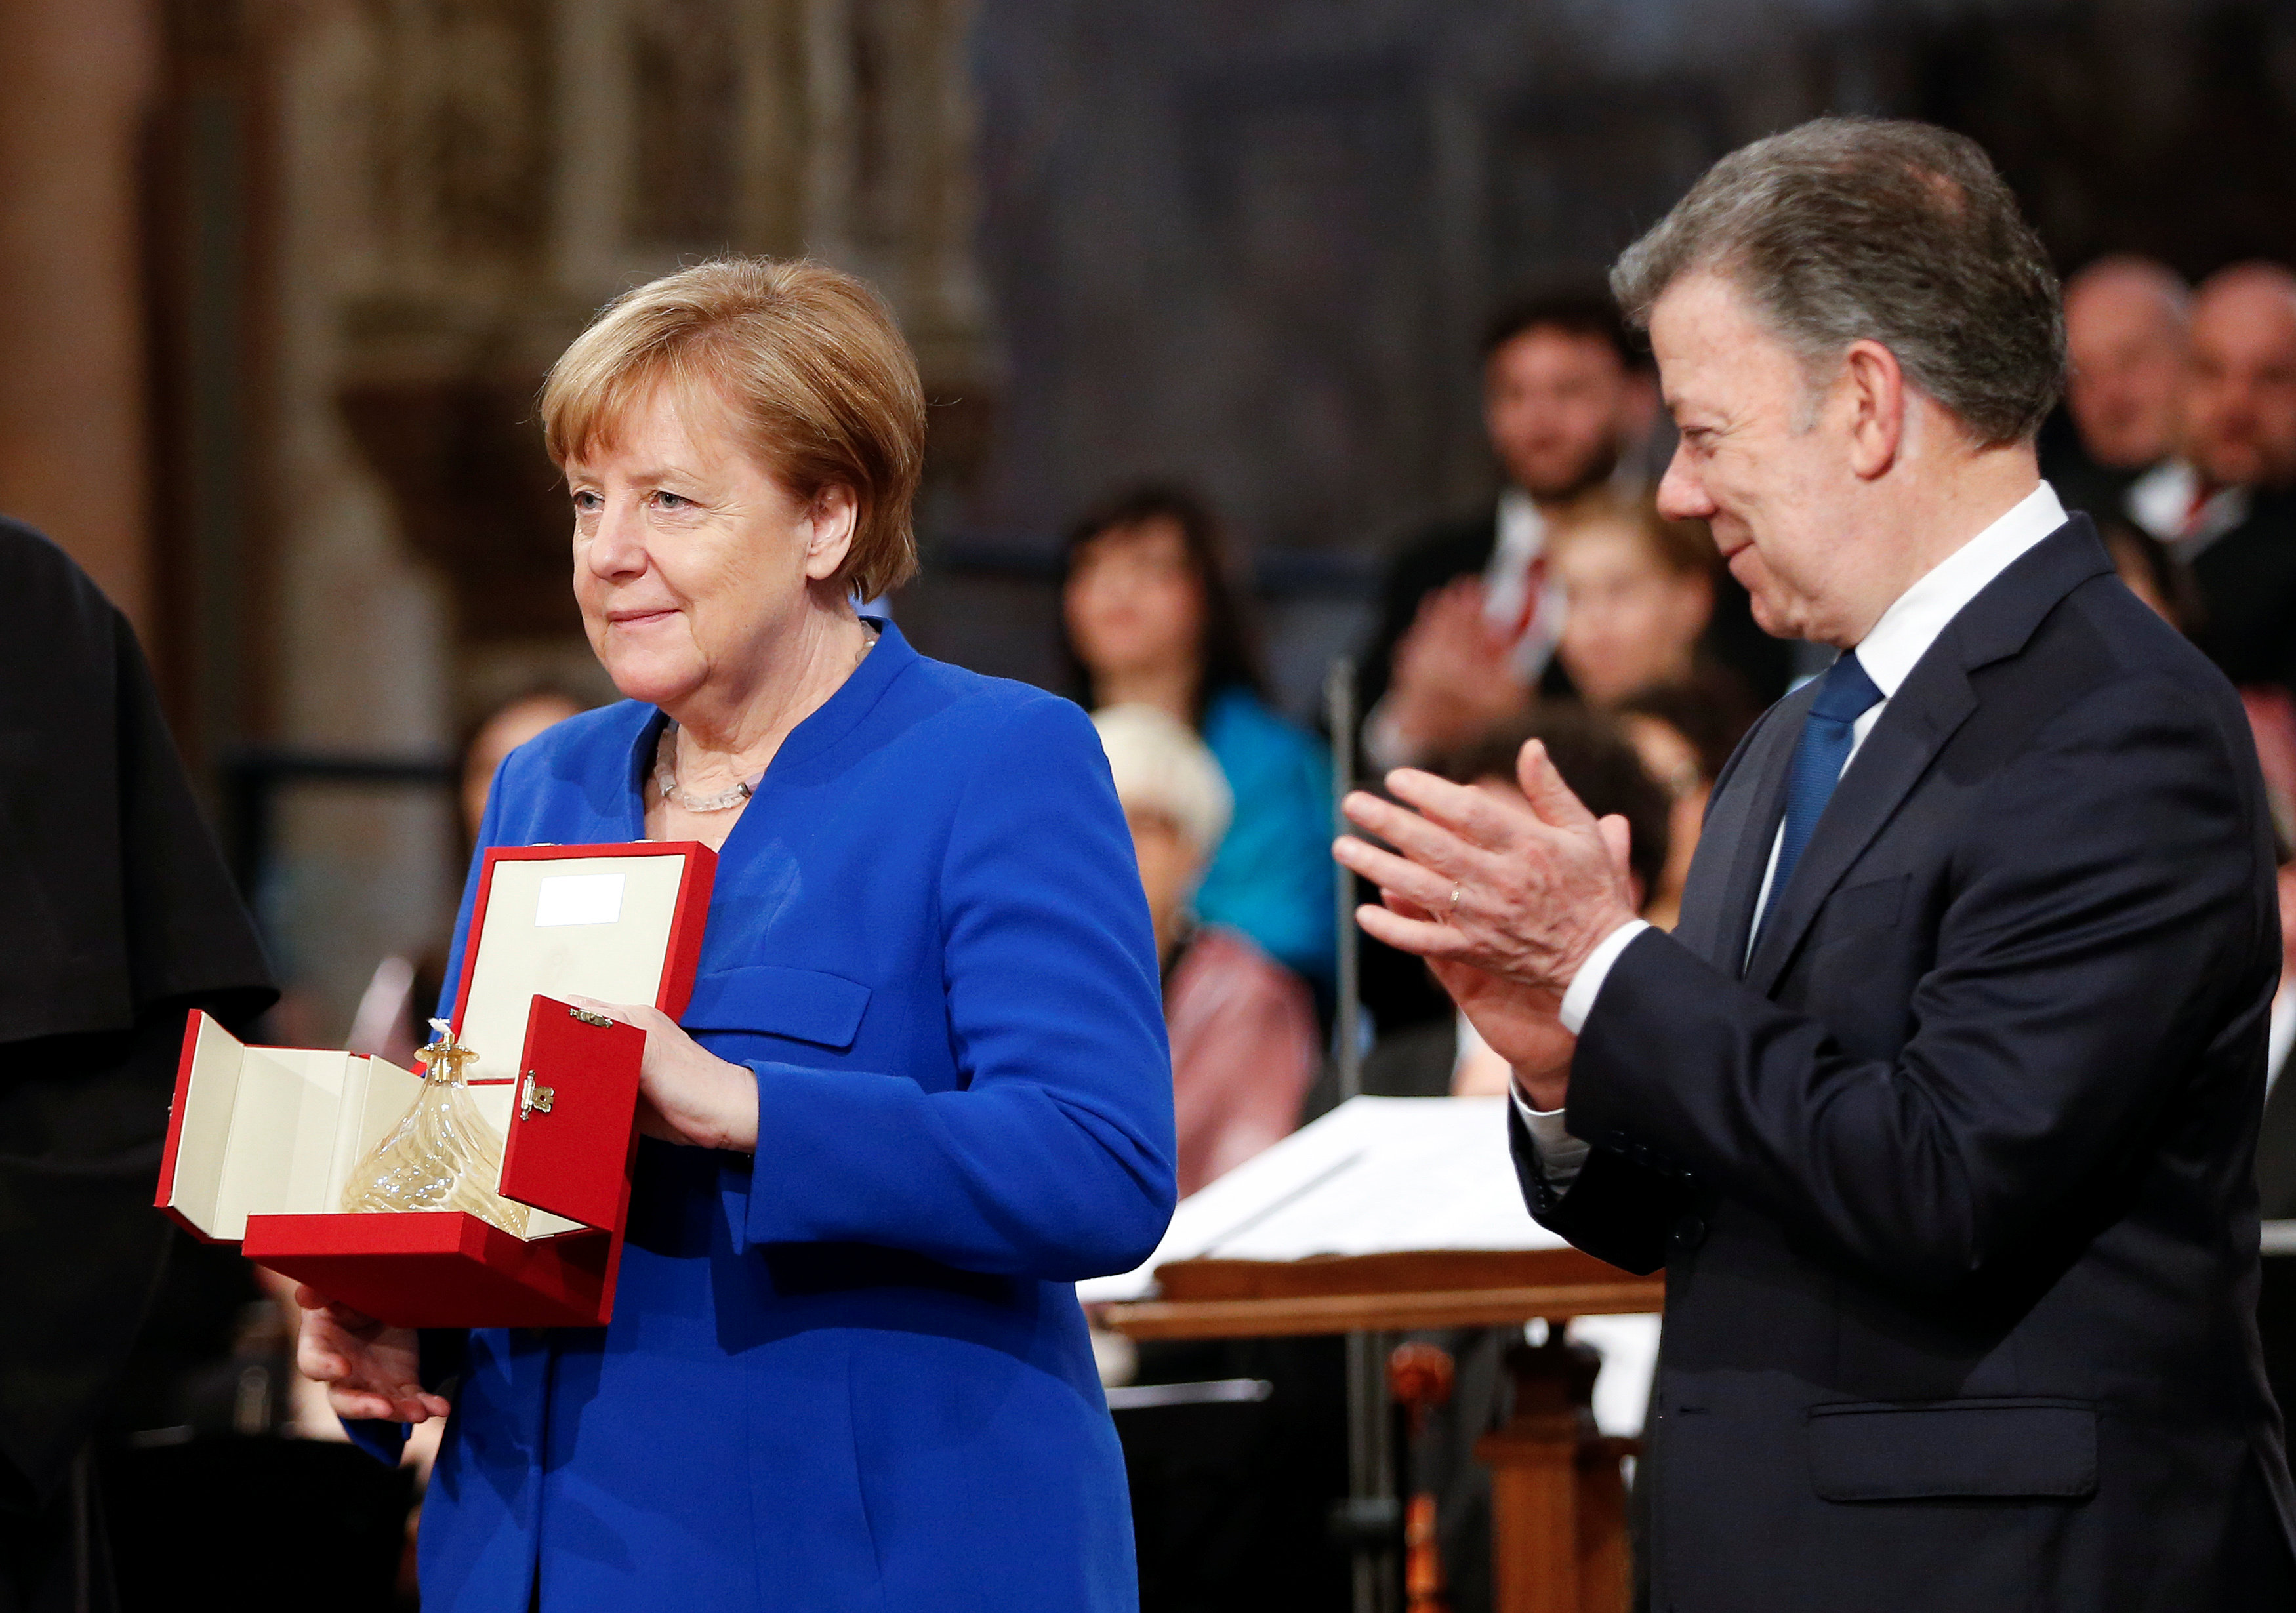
(851, 1373)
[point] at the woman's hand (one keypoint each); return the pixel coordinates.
(370, 1370)
(686, 1093)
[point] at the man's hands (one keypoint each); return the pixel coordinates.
(370, 1370)
(685, 1093)
(1540, 883)
(1454, 674)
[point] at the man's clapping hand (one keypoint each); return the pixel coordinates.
(1506, 898)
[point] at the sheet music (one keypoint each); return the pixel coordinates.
(1376, 1175)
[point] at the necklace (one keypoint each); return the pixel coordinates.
(665, 761)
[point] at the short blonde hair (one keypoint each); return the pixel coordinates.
(811, 362)
(1160, 766)
(1682, 548)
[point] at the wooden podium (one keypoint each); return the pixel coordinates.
(1558, 1498)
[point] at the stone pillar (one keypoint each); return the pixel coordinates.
(74, 450)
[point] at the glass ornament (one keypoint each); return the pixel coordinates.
(443, 1155)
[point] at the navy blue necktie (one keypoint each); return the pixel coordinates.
(1844, 694)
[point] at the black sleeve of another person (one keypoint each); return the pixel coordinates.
(119, 918)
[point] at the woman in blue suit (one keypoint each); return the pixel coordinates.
(922, 1087)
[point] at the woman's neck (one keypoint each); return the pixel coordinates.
(729, 735)
(1168, 688)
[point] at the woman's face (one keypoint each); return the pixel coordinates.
(1631, 623)
(1170, 866)
(691, 560)
(1133, 603)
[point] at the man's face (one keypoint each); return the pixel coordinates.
(2126, 340)
(1760, 461)
(1559, 408)
(2241, 401)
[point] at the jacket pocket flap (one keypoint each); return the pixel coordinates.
(1975, 1448)
(1862, 907)
(804, 1004)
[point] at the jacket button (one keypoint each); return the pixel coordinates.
(1689, 1232)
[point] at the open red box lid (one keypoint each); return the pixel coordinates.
(262, 1139)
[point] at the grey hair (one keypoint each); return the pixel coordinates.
(1845, 229)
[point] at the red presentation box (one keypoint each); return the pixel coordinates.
(262, 1139)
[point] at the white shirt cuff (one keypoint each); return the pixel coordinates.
(1579, 999)
(1559, 1154)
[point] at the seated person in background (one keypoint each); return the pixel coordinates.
(1151, 616)
(2227, 505)
(1469, 613)
(1242, 1027)
(2127, 327)
(1683, 733)
(1592, 751)
(391, 1020)
(1640, 591)
(504, 730)
(2154, 574)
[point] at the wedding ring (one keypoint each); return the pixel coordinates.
(1453, 911)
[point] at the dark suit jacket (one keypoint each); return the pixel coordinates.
(2248, 579)
(1953, 1187)
(2275, 1150)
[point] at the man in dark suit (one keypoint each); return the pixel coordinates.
(1939, 1106)
(2239, 472)
(2126, 323)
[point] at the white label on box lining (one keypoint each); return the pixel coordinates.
(578, 898)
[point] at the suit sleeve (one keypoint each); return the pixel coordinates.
(2102, 921)
(1616, 1208)
(1053, 1158)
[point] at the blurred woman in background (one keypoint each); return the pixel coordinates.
(1242, 1027)
(1151, 616)
(1639, 592)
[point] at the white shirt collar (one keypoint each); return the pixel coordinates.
(1911, 625)
(1522, 531)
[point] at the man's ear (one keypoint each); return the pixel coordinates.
(834, 515)
(1873, 390)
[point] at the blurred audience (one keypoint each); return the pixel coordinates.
(2228, 505)
(392, 1018)
(2126, 337)
(1600, 765)
(1242, 1027)
(2154, 574)
(1470, 614)
(1639, 591)
(1152, 616)
(503, 731)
